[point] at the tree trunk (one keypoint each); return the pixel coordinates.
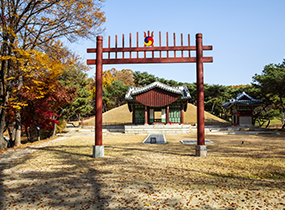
(13, 137)
(3, 90)
(27, 133)
(268, 122)
(54, 128)
(213, 107)
(18, 128)
(258, 120)
(3, 143)
(37, 126)
(38, 133)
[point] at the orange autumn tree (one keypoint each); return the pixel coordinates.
(28, 25)
(41, 94)
(112, 79)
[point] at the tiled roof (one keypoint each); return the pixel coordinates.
(182, 90)
(236, 100)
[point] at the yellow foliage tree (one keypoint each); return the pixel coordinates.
(28, 25)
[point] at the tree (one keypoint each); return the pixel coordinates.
(126, 76)
(34, 25)
(117, 91)
(115, 85)
(144, 78)
(73, 77)
(272, 85)
(215, 96)
(36, 98)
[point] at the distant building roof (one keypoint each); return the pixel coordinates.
(181, 90)
(242, 99)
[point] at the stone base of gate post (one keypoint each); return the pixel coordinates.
(98, 151)
(201, 151)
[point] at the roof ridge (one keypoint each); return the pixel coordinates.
(175, 89)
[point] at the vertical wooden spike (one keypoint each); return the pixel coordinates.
(167, 44)
(123, 45)
(181, 45)
(189, 44)
(130, 45)
(109, 46)
(145, 46)
(152, 45)
(137, 44)
(160, 43)
(174, 44)
(116, 45)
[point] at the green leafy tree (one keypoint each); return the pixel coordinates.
(144, 78)
(117, 91)
(215, 96)
(75, 78)
(272, 85)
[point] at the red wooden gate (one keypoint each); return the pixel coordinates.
(199, 60)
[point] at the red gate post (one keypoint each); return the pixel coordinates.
(201, 149)
(98, 149)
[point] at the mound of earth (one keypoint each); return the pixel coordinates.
(122, 115)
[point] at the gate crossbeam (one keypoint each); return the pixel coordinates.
(150, 60)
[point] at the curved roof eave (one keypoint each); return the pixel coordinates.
(181, 90)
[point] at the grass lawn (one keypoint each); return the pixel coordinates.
(132, 175)
(274, 124)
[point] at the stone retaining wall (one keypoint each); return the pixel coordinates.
(157, 129)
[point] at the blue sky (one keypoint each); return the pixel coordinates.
(246, 35)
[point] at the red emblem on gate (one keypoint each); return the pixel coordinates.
(148, 39)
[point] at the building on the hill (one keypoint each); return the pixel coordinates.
(241, 108)
(157, 103)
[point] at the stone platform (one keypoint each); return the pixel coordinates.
(157, 129)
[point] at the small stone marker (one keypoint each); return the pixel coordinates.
(155, 139)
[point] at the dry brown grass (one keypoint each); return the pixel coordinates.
(132, 175)
(122, 115)
(191, 116)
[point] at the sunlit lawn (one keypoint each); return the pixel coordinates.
(151, 176)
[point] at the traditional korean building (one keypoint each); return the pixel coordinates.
(241, 108)
(157, 103)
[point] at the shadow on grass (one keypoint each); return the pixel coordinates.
(58, 150)
(3, 166)
(67, 184)
(168, 149)
(77, 181)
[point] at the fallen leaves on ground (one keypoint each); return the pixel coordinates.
(132, 175)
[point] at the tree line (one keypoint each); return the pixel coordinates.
(268, 86)
(70, 95)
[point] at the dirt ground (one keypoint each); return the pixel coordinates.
(131, 175)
